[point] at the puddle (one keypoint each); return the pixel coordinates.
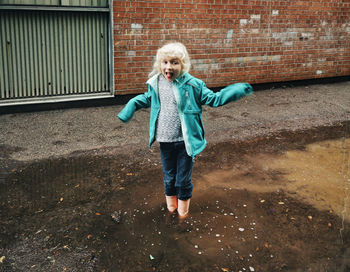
(318, 175)
(261, 207)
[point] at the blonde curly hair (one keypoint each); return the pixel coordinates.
(172, 50)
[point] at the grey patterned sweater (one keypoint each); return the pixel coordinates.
(168, 124)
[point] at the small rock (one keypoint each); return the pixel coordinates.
(117, 216)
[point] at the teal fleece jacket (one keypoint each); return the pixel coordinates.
(190, 94)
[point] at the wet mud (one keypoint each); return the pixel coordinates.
(275, 203)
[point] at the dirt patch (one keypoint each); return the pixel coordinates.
(93, 212)
(7, 150)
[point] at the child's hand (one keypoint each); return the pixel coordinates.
(248, 89)
(122, 118)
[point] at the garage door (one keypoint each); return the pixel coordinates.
(54, 52)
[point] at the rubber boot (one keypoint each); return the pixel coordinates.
(171, 203)
(183, 208)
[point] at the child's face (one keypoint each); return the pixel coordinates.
(171, 68)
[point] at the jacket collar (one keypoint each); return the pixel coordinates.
(153, 81)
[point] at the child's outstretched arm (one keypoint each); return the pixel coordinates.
(134, 104)
(228, 94)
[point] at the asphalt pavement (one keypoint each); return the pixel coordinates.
(36, 135)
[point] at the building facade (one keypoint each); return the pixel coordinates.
(234, 40)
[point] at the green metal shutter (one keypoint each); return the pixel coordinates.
(81, 3)
(53, 53)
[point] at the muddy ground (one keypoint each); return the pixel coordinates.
(257, 206)
(89, 212)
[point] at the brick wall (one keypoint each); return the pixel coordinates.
(233, 40)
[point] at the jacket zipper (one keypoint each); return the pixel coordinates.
(183, 125)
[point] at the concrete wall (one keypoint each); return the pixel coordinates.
(233, 40)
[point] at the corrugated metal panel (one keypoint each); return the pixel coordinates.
(92, 3)
(80, 3)
(53, 53)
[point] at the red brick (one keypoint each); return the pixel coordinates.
(302, 32)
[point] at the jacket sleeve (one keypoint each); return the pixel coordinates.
(134, 104)
(228, 94)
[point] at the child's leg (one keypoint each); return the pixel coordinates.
(183, 208)
(169, 164)
(183, 183)
(171, 203)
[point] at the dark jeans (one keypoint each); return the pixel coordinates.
(177, 168)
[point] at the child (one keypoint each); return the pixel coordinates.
(176, 100)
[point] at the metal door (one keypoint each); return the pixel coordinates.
(47, 54)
